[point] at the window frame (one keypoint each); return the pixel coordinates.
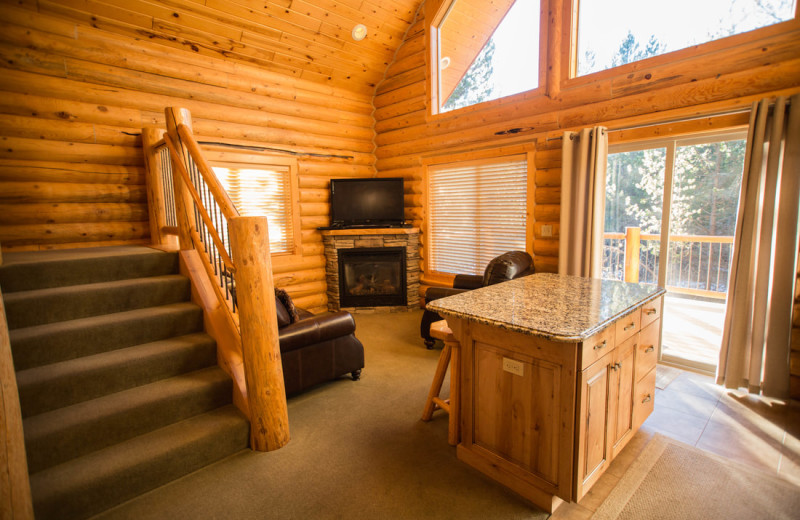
(435, 12)
(526, 150)
(264, 162)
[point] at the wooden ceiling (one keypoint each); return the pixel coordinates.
(309, 39)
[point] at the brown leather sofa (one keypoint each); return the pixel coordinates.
(507, 266)
(316, 348)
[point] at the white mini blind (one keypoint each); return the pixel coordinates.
(476, 212)
(264, 191)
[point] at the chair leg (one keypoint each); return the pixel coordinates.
(436, 385)
(356, 374)
(429, 343)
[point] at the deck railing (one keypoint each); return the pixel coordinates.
(227, 256)
(697, 264)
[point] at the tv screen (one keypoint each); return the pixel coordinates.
(367, 202)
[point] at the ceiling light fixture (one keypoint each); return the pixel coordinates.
(444, 63)
(359, 32)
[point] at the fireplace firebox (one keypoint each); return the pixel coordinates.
(372, 277)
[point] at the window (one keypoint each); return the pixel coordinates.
(486, 50)
(477, 210)
(616, 32)
(265, 190)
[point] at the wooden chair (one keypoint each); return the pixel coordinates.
(449, 356)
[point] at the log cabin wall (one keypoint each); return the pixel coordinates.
(695, 84)
(80, 79)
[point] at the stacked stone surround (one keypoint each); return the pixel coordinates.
(333, 240)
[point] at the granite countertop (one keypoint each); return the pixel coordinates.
(556, 307)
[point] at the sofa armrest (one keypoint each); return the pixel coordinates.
(434, 293)
(316, 330)
(468, 281)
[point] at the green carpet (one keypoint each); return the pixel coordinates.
(358, 450)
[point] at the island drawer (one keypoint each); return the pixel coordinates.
(628, 325)
(651, 311)
(597, 346)
(644, 394)
(647, 349)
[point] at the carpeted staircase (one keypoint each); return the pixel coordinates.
(119, 386)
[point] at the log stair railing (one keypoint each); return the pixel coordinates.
(227, 257)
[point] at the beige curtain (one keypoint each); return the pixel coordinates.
(583, 196)
(756, 339)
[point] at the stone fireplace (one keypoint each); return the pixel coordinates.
(372, 269)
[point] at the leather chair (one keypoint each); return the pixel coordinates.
(507, 266)
(316, 348)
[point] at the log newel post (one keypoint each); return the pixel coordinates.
(632, 248)
(183, 200)
(269, 419)
(156, 205)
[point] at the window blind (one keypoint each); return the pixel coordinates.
(264, 191)
(477, 210)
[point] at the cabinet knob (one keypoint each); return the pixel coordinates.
(629, 327)
(649, 349)
(601, 345)
(616, 366)
(647, 399)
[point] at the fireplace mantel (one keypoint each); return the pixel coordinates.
(337, 239)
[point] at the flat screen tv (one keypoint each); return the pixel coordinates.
(367, 202)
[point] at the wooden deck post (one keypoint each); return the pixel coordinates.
(269, 418)
(632, 248)
(183, 201)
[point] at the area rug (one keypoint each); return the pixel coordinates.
(676, 481)
(665, 375)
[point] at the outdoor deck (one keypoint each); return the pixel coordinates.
(693, 330)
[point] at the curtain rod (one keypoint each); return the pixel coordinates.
(671, 121)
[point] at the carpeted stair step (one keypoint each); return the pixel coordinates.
(103, 479)
(55, 437)
(42, 306)
(28, 271)
(54, 342)
(46, 388)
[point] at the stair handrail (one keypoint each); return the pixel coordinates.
(15, 488)
(234, 252)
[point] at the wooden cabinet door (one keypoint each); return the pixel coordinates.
(593, 445)
(620, 394)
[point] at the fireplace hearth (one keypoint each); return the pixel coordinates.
(372, 270)
(372, 277)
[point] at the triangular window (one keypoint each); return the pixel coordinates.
(487, 50)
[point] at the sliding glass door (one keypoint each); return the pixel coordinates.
(695, 183)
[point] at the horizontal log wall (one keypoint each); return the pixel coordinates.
(692, 84)
(73, 101)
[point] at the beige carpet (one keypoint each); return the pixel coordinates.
(358, 450)
(676, 481)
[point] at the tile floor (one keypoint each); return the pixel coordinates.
(692, 409)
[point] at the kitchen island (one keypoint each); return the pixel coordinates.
(557, 373)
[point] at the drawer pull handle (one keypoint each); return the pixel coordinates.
(650, 312)
(629, 327)
(601, 345)
(647, 399)
(649, 349)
